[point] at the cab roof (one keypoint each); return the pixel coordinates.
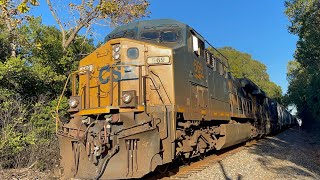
(138, 26)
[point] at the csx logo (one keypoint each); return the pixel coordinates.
(129, 74)
(106, 69)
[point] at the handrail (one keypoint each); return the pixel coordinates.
(60, 98)
(65, 87)
(155, 85)
(162, 86)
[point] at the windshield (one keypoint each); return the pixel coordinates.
(130, 33)
(161, 36)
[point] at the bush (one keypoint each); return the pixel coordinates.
(27, 133)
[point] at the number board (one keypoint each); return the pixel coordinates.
(159, 60)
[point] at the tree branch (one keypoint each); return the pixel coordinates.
(59, 23)
(82, 23)
(72, 36)
(7, 21)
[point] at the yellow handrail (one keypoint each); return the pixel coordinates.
(57, 118)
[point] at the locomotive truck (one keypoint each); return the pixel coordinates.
(156, 91)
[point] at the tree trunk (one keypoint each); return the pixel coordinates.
(13, 49)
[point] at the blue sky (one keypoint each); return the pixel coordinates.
(257, 27)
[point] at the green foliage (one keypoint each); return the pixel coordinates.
(23, 7)
(30, 85)
(24, 127)
(4, 47)
(34, 65)
(303, 72)
(13, 14)
(242, 65)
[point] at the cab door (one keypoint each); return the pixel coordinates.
(198, 74)
(198, 79)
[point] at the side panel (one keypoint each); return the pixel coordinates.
(201, 92)
(220, 102)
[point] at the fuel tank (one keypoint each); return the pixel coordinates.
(233, 134)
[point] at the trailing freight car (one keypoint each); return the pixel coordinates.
(154, 92)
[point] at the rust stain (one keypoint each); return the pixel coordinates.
(198, 70)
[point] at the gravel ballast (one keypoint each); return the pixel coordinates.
(292, 154)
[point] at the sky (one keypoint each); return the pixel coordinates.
(256, 27)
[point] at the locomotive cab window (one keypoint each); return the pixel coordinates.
(130, 33)
(195, 44)
(162, 36)
(150, 35)
(213, 61)
(198, 46)
(208, 57)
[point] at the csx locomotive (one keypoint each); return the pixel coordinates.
(156, 91)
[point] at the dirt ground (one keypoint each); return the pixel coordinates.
(27, 174)
(293, 154)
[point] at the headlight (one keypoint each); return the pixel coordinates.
(133, 53)
(116, 48)
(73, 103)
(86, 68)
(127, 98)
(116, 56)
(116, 51)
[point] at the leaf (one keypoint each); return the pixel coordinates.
(34, 2)
(23, 8)
(39, 46)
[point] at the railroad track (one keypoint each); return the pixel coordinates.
(195, 166)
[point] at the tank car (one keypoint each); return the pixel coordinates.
(155, 91)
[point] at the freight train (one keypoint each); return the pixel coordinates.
(154, 92)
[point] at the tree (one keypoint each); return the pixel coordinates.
(34, 62)
(12, 15)
(303, 72)
(4, 46)
(243, 66)
(87, 13)
(41, 64)
(30, 85)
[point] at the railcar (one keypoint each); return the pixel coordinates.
(156, 91)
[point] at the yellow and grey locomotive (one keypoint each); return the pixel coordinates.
(154, 92)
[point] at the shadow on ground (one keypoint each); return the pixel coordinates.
(291, 153)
